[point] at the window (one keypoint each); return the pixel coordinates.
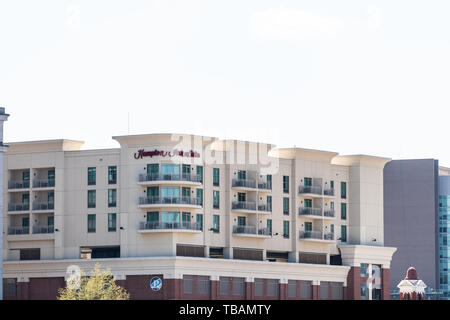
(91, 176)
(305, 289)
(199, 220)
(112, 197)
(337, 290)
(238, 286)
(343, 211)
(170, 171)
(216, 175)
(51, 222)
(269, 181)
(25, 222)
(216, 199)
(30, 254)
(286, 184)
(112, 222)
(332, 228)
(343, 233)
(91, 223)
(259, 287)
(286, 229)
(100, 252)
(190, 251)
(216, 223)
(10, 287)
(332, 205)
(186, 218)
(331, 184)
(91, 198)
(343, 190)
(308, 182)
(285, 205)
(186, 170)
(242, 174)
(272, 288)
(153, 170)
(26, 199)
(292, 288)
(269, 226)
(51, 200)
(269, 203)
(364, 271)
(224, 286)
(152, 217)
(51, 177)
(308, 226)
(186, 193)
(241, 197)
(241, 221)
(324, 290)
(188, 284)
(25, 176)
(112, 175)
(203, 285)
(200, 197)
(308, 203)
(200, 173)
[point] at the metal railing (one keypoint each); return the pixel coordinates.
(44, 183)
(244, 205)
(170, 200)
(18, 206)
(18, 184)
(18, 230)
(43, 205)
(171, 177)
(306, 211)
(328, 192)
(265, 185)
(244, 183)
(251, 230)
(310, 235)
(158, 225)
(328, 236)
(329, 213)
(43, 229)
(310, 189)
(264, 207)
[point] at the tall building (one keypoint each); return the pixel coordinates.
(411, 219)
(444, 230)
(206, 218)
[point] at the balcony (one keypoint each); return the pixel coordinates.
(159, 226)
(170, 178)
(43, 206)
(43, 229)
(264, 208)
(44, 183)
(329, 192)
(18, 206)
(264, 185)
(18, 184)
(243, 206)
(156, 201)
(251, 231)
(315, 236)
(306, 211)
(329, 213)
(310, 190)
(18, 230)
(244, 183)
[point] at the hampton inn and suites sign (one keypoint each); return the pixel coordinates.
(141, 153)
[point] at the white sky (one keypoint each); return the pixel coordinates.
(353, 77)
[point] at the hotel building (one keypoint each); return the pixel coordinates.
(211, 218)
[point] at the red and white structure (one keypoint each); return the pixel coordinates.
(412, 288)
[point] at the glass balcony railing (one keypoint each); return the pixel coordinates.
(251, 230)
(243, 205)
(15, 230)
(170, 177)
(170, 200)
(310, 190)
(18, 184)
(158, 225)
(37, 205)
(244, 183)
(44, 183)
(306, 211)
(18, 206)
(43, 229)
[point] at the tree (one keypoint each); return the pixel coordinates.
(99, 286)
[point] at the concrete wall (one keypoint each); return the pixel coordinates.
(411, 219)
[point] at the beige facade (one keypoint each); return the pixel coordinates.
(283, 207)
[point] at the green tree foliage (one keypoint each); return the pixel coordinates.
(99, 286)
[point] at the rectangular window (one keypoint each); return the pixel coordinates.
(332, 228)
(286, 184)
(188, 284)
(50, 222)
(152, 217)
(26, 176)
(25, 222)
(242, 175)
(216, 223)
(10, 287)
(186, 218)
(324, 290)
(112, 197)
(332, 205)
(216, 199)
(292, 288)
(216, 175)
(112, 175)
(269, 203)
(285, 205)
(224, 286)
(272, 288)
(308, 182)
(200, 173)
(91, 223)
(286, 229)
(337, 290)
(241, 197)
(343, 233)
(343, 211)
(186, 170)
(203, 285)
(91, 198)
(238, 286)
(112, 222)
(51, 200)
(30, 254)
(26, 199)
(269, 226)
(269, 181)
(200, 197)
(305, 289)
(241, 221)
(91, 176)
(331, 184)
(153, 170)
(343, 190)
(199, 220)
(259, 287)
(186, 192)
(308, 203)
(308, 226)
(51, 177)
